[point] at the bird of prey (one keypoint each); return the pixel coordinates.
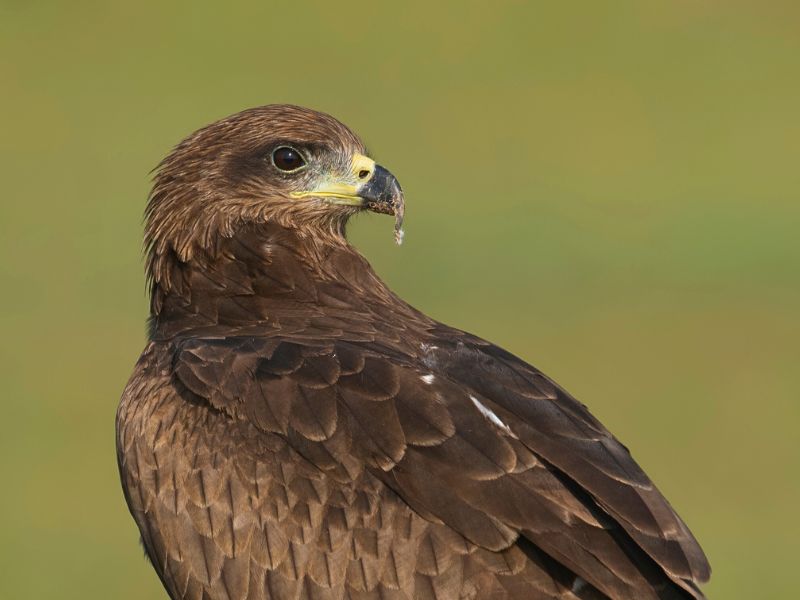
(293, 429)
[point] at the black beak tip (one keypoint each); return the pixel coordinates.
(383, 194)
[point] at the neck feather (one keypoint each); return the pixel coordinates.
(259, 276)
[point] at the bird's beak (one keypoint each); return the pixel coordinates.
(382, 193)
(367, 185)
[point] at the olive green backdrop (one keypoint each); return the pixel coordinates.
(609, 190)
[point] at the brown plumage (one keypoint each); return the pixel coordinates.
(295, 430)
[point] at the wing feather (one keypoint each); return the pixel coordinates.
(469, 436)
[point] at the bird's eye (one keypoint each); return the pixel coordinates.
(287, 159)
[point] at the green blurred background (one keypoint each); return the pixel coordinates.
(609, 190)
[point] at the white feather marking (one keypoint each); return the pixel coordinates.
(578, 584)
(427, 357)
(428, 378)
(491, 416)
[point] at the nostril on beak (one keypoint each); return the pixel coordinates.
(363, 174)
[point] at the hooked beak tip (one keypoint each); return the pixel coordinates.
(382, 193)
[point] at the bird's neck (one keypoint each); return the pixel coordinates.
(261, 277)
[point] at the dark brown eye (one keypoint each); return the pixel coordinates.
(287, 159)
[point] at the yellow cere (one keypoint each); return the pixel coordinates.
(344, 191)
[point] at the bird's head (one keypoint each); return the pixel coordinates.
(285, 164)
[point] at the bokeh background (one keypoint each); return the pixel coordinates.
(609, 190)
